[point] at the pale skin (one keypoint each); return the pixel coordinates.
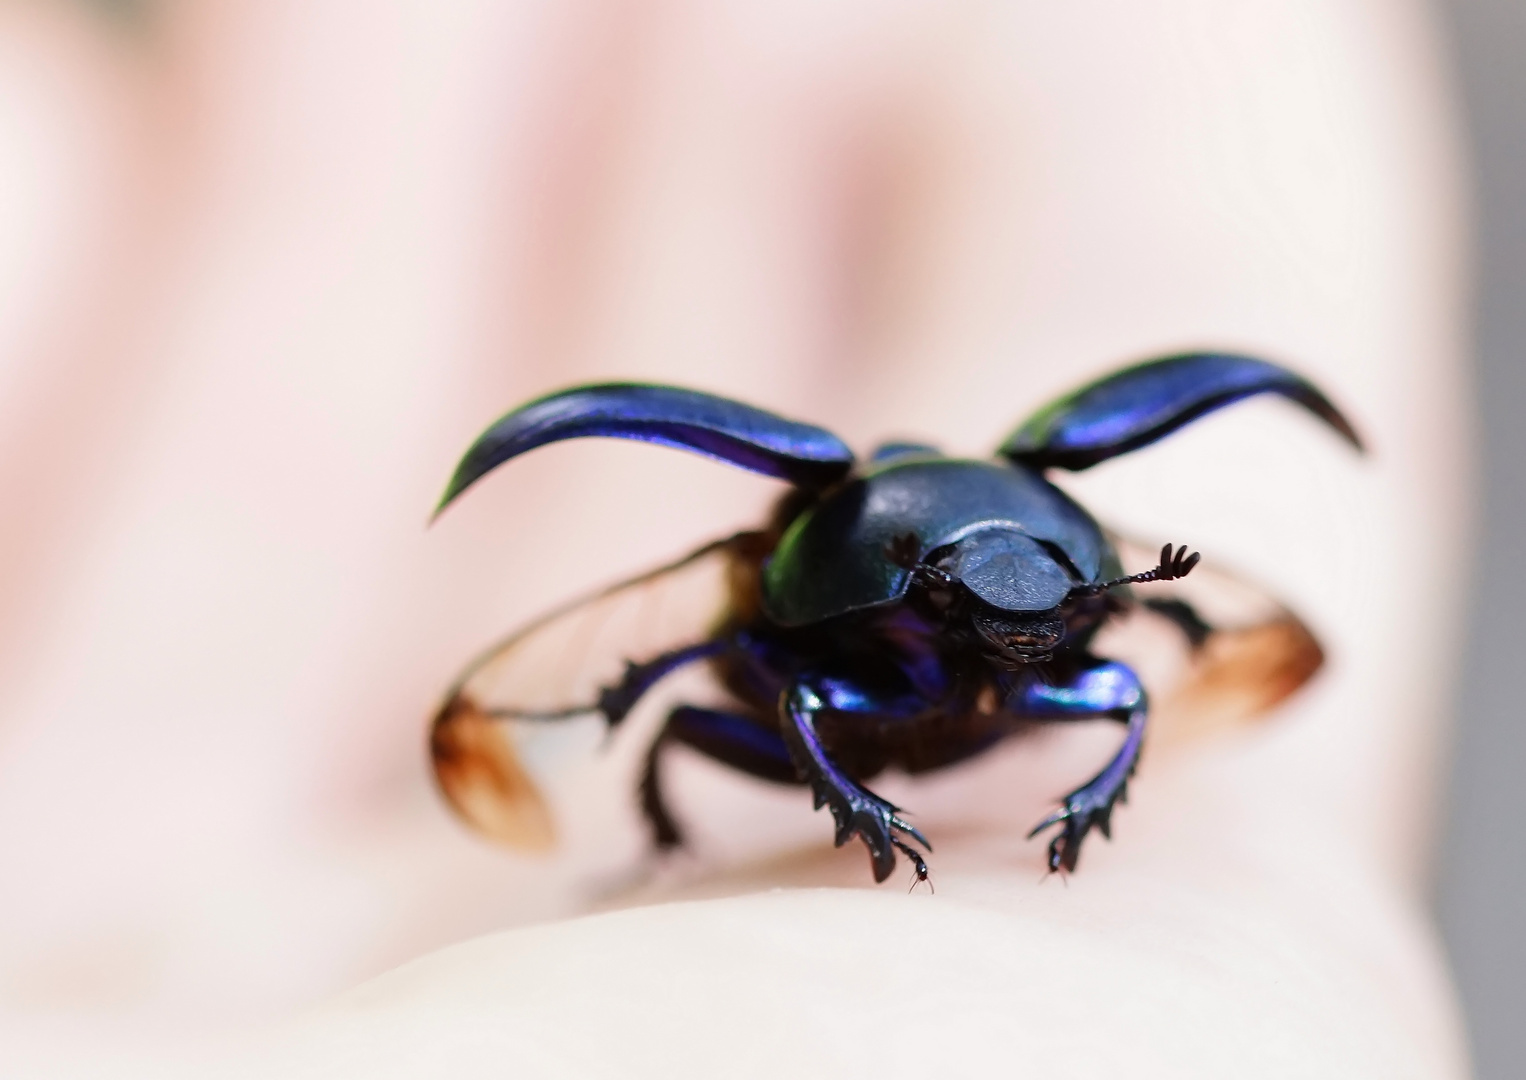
(300, 296)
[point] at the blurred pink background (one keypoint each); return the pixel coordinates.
(265, 269)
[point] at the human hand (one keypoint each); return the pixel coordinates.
(924, 217)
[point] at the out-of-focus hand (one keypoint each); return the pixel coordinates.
(324, 244)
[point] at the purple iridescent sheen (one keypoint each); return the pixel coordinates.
(1140, 404)
(807, 456)
(912, 614)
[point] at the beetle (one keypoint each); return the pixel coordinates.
(908, 611)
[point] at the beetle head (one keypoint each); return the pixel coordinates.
(1012, 588)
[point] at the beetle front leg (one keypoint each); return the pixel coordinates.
(855, 809)
(1102, 688)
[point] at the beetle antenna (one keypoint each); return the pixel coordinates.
(1172, 565)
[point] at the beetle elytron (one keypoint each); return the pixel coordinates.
(909, 611)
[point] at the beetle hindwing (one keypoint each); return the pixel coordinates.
(491, 742)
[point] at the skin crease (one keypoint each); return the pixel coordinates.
(298, 255)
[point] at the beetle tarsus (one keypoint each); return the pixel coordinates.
(859, 812)
(918, 864)
(1090, 806)
(1077, 817)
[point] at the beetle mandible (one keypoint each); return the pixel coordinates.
(909, 611)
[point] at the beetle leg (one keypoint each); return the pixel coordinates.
(1103, 688)
(1184, 617)
(918, 864)
(856, 810)
(731, 739)
(616, 702)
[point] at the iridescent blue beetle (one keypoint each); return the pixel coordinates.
(911, 611)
